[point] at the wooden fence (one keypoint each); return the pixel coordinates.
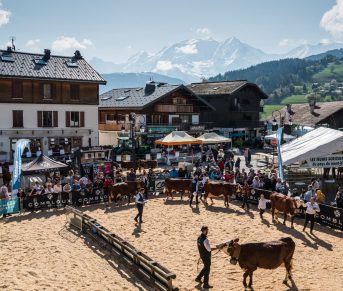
(159, 276)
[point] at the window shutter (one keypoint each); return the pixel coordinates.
(41, 90)
(14, 118)
(82, 119)
(67, 118)
(53, 91)
(39, 119)
(55, 119)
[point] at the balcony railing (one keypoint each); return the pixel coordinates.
(113, 126)
(174, 108)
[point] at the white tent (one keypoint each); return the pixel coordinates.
(286, 137)
(316, 143)
(178, 138)
(213, 138)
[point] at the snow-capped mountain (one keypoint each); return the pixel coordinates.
(193, 59)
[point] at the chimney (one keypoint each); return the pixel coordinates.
(77, 55)
(9, 49)
(149, 87)
(47, 54)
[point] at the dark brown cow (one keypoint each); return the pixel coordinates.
(267, 255)
(128, 165)
(128, 189)
(177, 185)
(216, 189)
(285, 204)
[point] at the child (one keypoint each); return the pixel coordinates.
(262, 205)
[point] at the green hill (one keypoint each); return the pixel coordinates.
(291, 80)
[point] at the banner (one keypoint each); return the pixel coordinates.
(279, 140)
(20, 145)
(9, 206)
(332, 161)
(51, 200)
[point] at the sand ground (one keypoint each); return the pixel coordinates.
(37, 253)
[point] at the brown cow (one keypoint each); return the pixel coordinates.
(128, 189)
(285, 204)
(177, 185)
(267, 255)
(216, 189)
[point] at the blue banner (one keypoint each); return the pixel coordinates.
(9, 206)
(279, 140)
(20, 145)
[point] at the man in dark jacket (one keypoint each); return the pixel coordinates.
(205, 255)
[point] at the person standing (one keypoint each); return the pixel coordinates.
(311, 209)
(262, 205)
(245, 195)
(194, 191)
(140, 205)
(204, 249)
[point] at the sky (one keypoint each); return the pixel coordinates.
(115, 29)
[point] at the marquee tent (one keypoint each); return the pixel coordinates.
(213, 138)
(178, 138)
(43, 164)
(316, 143)
(286, 137)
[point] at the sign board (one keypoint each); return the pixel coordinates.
(273, 142)
(160, 129)
(148, 157)
(197, 128)
(118, 158)
(159, 185)
(332, 161)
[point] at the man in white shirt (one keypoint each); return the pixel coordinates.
(140, 205)
(311, 209)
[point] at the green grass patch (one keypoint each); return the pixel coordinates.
(332, 71)
(294, 99)
(268, 109)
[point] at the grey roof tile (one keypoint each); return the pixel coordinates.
(55, 69)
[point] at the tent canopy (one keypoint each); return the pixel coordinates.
(178, 138)
(316, 143)
(43, 164)
(213, 138)
(286, 137)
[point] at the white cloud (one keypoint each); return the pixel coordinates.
(129, 46)
(164, 66)
(32, 42)
(325, 41)
(4, 16)
(332, 20)
(189, 49)
(64, 43)
(287, 42)
(203, 31)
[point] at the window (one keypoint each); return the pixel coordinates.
(47, 119)
(47, 91)
(17, 89)
(75, 119)
(110, 118)
(195, 119)
(74, 92)
(17, 118)
(179, 100)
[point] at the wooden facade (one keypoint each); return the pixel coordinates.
(48, 92)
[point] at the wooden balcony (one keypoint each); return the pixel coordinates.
(174, 108)
(113, 126)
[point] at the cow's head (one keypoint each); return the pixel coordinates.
(231, 248)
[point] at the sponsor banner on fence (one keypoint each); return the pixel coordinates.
(9, 206)
(159, 186)
(332, 161)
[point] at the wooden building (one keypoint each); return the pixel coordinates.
(160, 108)
(51, 100)
(237, 106)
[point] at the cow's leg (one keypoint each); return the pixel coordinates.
(181, 195)
(273, 213)
(250, 279)
(226, 201)
(284, 218)
(292, 221)
(245, 275)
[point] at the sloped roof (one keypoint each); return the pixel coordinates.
(215, 88)
(56, 68)
(43, 164)
(206, 89)
(213, 138)
(137, 98)
(303, 115)
(178, 138)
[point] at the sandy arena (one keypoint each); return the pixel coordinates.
(37, 253)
